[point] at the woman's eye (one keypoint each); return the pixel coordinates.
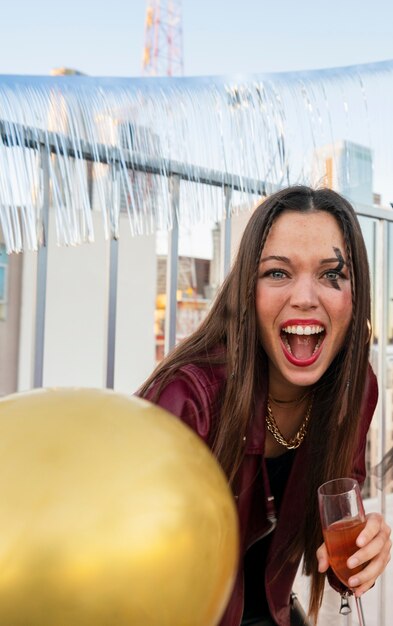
(333, 275)
(275, 274)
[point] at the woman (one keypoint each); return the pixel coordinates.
(276, 380)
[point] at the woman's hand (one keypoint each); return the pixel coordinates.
(374, 549)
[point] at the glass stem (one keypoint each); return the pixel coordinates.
(359, 609)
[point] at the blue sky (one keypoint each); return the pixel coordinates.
(105, 37)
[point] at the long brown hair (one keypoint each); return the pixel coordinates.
(232, 324)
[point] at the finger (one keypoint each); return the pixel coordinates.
(374, 523)
(362, 588)
(365, 579)
(379, 546)
(323, 560)
(376, 555)
(358, 591)
(374, 546)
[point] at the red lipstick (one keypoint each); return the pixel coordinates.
(287, 345)
(302, 322)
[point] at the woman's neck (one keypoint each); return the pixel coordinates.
(282, 392)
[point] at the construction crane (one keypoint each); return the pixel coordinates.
(163, 49)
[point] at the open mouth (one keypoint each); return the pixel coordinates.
(302, 341)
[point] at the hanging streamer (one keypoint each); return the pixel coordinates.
(114, 142)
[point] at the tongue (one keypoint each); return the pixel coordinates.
(302, 346)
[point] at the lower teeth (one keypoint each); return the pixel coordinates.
(288, 347)
(317, 345)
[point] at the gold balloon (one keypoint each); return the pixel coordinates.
(112, 513)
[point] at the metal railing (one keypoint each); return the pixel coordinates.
(47, 143)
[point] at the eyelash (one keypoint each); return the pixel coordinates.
(270, 273)
(284, 274)
(338, 275)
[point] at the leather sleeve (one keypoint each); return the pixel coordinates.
(359, 464)
(368, 408)
(191, 397)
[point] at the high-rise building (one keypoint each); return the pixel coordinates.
(346, 167)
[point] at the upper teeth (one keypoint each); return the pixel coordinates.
(303, 330)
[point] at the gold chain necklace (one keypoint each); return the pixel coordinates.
(296, 440)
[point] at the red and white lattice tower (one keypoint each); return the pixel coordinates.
(163, 51)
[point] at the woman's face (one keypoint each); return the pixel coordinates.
(303, 297)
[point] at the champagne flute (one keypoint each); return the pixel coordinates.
(343, 518)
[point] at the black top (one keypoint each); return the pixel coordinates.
(255, 603)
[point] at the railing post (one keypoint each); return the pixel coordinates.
(42, 266)
(226, 235)
(112, 307)
(382, 322)
(113, 275)
(172, 266)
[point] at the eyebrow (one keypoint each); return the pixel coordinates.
(332, 260)
(283, 259)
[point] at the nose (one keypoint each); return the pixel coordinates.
(304, 293)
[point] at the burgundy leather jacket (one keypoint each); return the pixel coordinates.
(194, 396)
